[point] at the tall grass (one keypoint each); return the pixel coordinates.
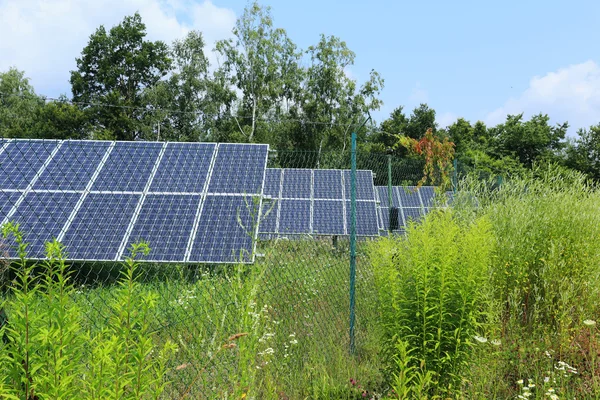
(544, 281)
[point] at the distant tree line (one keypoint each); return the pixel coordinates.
(264, 89)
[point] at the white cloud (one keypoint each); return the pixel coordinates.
(418, 95)
(43, 37)
(446, 119)
(570, 94)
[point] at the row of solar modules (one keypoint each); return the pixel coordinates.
(411, 202)
(317, 202)
(96, 197)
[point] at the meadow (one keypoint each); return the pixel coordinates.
(494, 298)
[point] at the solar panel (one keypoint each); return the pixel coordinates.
(72, 166)
(316, 202)
(97, 230)
(412, 202)
(193, 202)
(328, 218)
(328, 184)
(166, 222)
(183, 168)
(239, 168)
(219, 236)
(41, 217)
(21, 161)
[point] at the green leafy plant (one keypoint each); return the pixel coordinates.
(49, 354)
(431, 285)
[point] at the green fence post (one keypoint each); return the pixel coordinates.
(390, 186)
(352, 241)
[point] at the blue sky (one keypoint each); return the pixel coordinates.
(475, 59)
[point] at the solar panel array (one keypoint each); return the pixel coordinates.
(412, 204)
(191, 201)
(317, 202)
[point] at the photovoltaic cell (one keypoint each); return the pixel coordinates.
(100, 225)
(7, 201)
(128, 167)
(327, 184)
(328, 217)
(239, 168)
(297, 183)
(294, 217)
(72, 166)
(364, 185)
(409, 196)
(42, 216)
(21, 161)
(272, 182)
(165, 222)
(384, 196)
(220, 237)
(183, 168)
(366, 218)
(414, 214)
(268, 221)
(427, 195)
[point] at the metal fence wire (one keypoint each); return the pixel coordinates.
(243, 240)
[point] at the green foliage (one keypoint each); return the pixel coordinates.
(584, 153)
(18, 105)
(431, 285)
(114, 69)
(48, 353)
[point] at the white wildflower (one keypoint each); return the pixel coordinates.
(480, 339)
(589, 322)
(496, 342)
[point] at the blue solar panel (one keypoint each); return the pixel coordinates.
(100, 225)
(384, 196)
(21, 161)
(272, 182)
(297, 183)
(128, 167)
(176, 176)
(364, 185)
(409, 196)
(239, 168)
(183, 168)
(328, 184)
(7, 201)
(328, 217)
(42, 216)
(427, 195)
(414, 214)
(294, 217)
(165, 222)
(268, 223)
(366, 218)
(72, 166)
(220, 237)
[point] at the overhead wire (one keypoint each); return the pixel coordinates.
(370, 128)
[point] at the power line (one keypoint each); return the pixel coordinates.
(371, 128)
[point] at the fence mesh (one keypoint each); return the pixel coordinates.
(242, 240)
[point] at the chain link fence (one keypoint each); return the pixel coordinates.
(243, 242)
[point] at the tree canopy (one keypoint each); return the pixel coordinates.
(264, 89)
